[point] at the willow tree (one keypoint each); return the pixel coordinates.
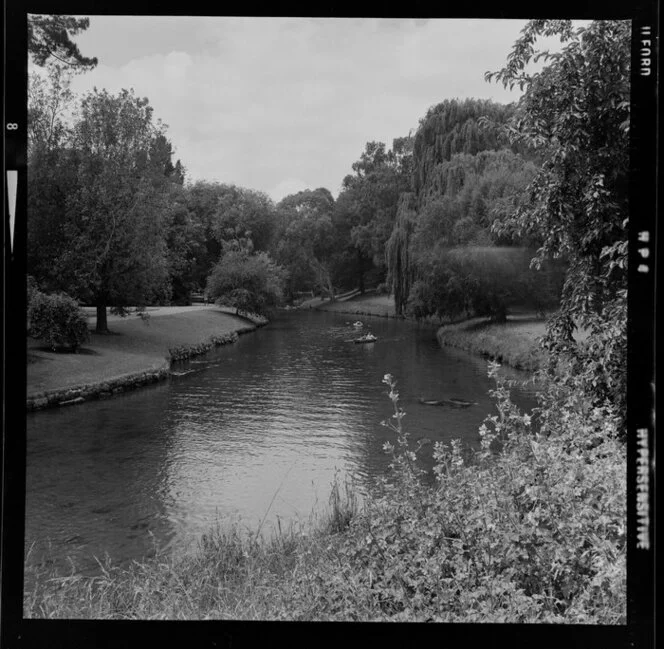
(453, 127)
(397, 252)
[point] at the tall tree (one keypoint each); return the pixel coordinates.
(308, 242)
(52, 165)
(576, 112)
(49, 37)
(367, 205)
(465, 172)
(116, 217)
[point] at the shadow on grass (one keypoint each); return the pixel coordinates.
(81, 351)
(484, 324)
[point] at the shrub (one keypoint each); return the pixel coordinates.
(57, 320)
(249, 282)
(531, 528)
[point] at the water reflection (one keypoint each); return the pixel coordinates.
(255, 433)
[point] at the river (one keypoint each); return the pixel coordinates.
(251, 432)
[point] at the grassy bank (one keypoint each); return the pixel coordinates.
(513, 343)
(371, 304)
(134, 347)
(534, 533)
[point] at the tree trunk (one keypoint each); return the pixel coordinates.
(102, 321)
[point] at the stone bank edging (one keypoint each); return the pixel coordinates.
(126, 382)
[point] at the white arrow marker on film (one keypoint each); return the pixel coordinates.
(12, 178)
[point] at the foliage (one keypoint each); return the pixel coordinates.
(465, 175)
(499, 539)
(206, 215)
(109, 219)
(308, 241)
(244, 211)
(250, 282)
(50, 37)
(576, 113)
(52, 167)
(454, 127)
(366, 208)
(50, 99)
(57, 320)
(482, 281)
(397, 251)
(467, 193)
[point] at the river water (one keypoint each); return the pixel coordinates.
(251, 432)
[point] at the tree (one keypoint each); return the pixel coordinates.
(49, 100)
(244, 210)
(185, 240)
(307, 245)
(450, 128)
(460, 190)
(115, 219)
(576, 113)
(49, 37)
(366, 208)
(397, 251)
(250, 282)
(52, 172)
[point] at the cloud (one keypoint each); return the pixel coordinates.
(274, 103)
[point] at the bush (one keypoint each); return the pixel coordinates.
(531, 528)
(249, 282)
(57, 320)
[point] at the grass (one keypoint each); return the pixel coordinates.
(228, 575)
(368, 304)
(133, 346)
(514, 343)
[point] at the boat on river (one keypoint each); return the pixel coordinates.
(367, 338)
(454, 402)
(358, 324)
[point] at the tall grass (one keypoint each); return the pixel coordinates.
(531, 528)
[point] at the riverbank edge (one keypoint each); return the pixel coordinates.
(498, 342)
(127, 382)
(503, 343)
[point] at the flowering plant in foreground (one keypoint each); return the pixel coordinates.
(528, 529)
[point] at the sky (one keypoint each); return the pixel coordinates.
(284, 104)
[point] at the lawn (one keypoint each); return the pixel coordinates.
(133, 346)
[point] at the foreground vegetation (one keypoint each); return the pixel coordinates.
(529, 529)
